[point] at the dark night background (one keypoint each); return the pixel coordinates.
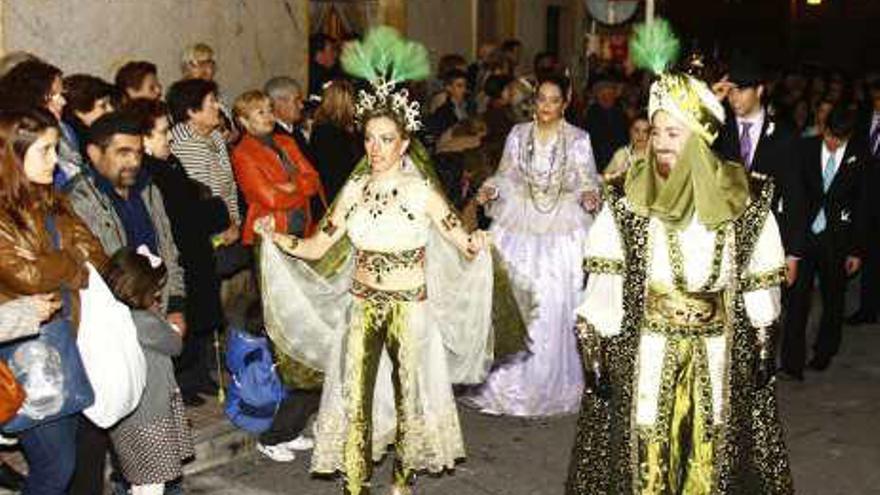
(840, 34)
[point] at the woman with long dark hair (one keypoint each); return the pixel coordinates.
(37, 84)
(44, 248)
(541, 201)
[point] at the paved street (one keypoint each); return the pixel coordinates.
(833, 424)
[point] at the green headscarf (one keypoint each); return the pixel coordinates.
(700, 182)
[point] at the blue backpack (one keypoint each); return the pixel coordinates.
(255, 390)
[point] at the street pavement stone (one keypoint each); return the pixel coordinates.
(832, 422)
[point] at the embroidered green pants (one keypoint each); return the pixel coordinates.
(384, 327)
(676, 455)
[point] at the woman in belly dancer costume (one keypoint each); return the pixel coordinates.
(406, 309)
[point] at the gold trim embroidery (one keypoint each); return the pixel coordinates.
(676, 258)
(595, 264)
(379, 263)
(378, 296)
(763, 280)
(606, 456)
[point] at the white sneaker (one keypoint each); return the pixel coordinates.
(277, 453)
(301, 442)
(8, 440)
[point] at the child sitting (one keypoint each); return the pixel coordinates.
(257, 400)
(155, 439)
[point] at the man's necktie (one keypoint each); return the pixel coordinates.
(875, 139)
(827, 177)
(745, 144)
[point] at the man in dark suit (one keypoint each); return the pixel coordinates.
(753, 137)
(287, 105)
(833, 169)
(869, 132)
(606, 123)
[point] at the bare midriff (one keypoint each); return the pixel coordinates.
(394, 271)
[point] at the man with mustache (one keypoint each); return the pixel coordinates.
(675, 329)
(121, 205)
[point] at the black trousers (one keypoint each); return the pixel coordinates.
(193, 366)
(824, 259)
(291, 417)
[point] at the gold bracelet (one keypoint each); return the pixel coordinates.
(287, 242)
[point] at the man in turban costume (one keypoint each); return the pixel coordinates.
(685, 267)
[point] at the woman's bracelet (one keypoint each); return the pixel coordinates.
(286, 242)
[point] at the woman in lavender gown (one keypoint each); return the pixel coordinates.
(541, 202)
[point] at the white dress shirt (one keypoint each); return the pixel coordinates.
(838, 157)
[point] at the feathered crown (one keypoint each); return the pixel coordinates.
(655, 48)
(385, 59)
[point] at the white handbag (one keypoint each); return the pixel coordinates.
(111, 354)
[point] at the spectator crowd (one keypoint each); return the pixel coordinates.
(159, 190)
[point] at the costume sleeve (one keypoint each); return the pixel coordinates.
(156, 334)
(587, 177)
(762, 281)
(507, 179)
(603, 301)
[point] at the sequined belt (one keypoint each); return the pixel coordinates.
(372, 294)
(378, 263)
(672, 311)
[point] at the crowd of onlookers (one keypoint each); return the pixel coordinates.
(159, 191)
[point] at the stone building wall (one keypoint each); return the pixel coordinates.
(253, 40)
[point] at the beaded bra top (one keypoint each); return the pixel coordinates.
(389, 216)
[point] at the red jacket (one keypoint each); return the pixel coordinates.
(260, 172)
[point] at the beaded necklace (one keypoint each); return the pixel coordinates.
(555, 173)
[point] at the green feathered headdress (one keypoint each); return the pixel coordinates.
(385, 55)
(654, 46)
(386, 59)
